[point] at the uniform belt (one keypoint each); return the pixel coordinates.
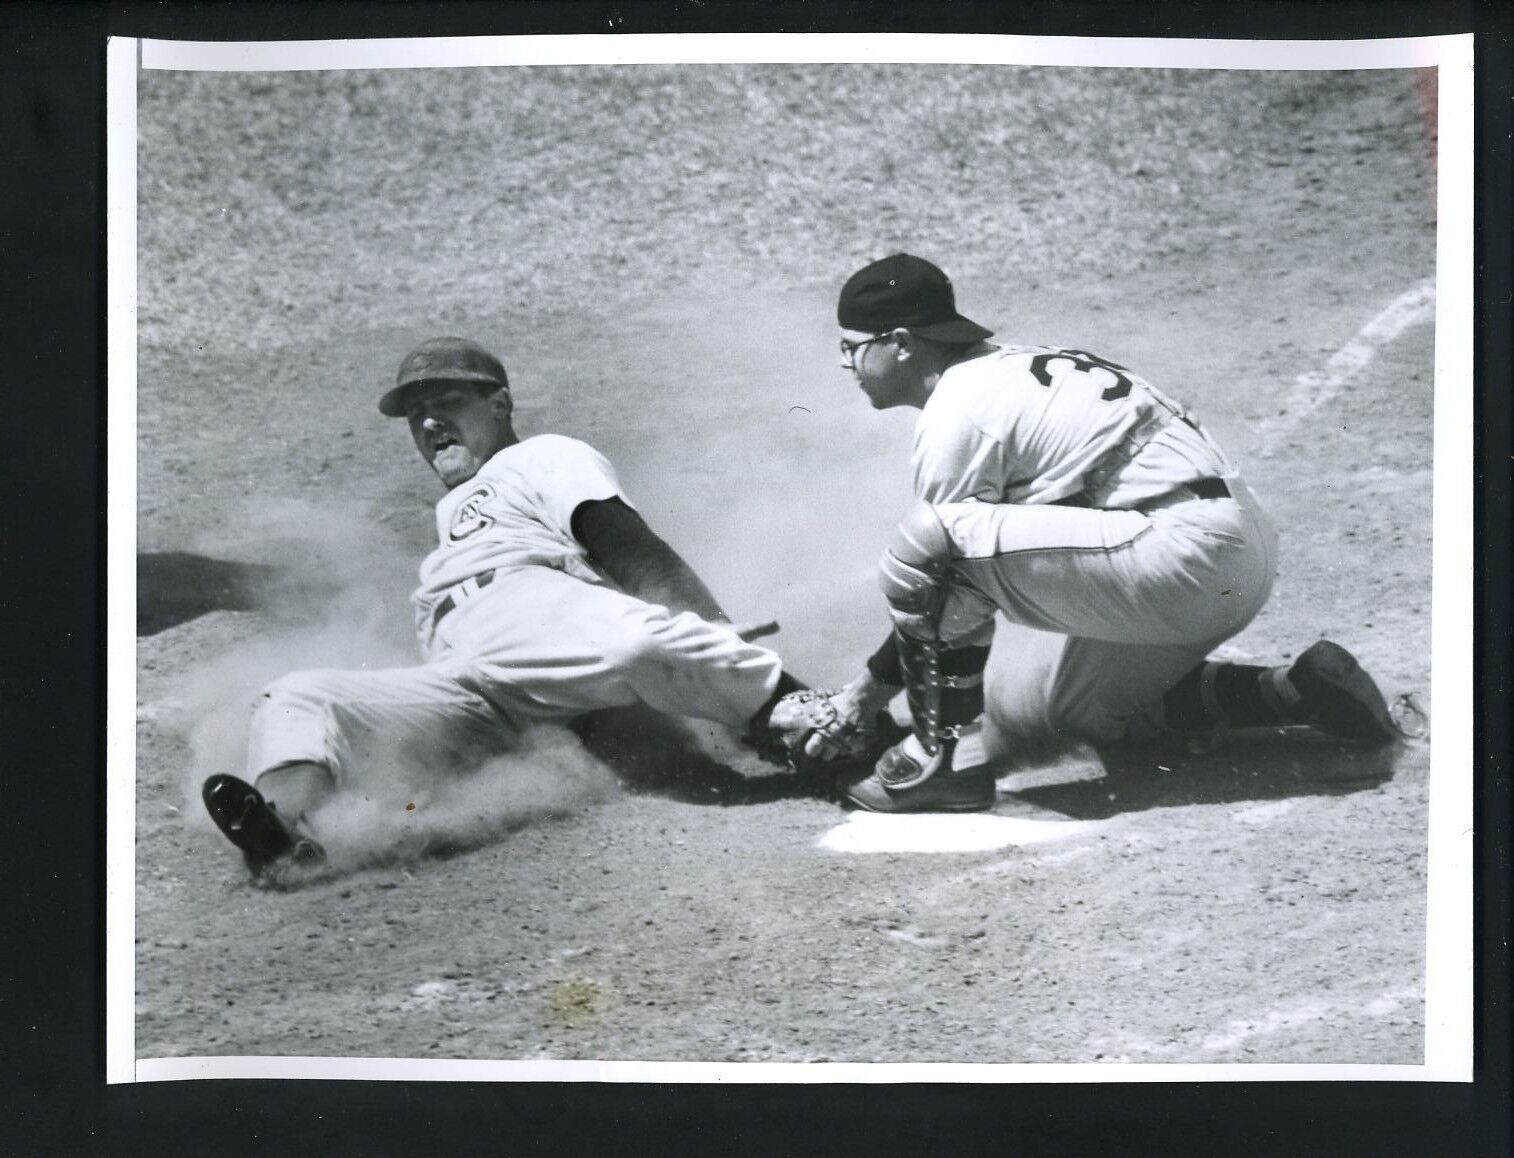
(444, 608)
(1204, 488)
(1210, 488)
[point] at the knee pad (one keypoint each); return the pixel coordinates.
(913, 570)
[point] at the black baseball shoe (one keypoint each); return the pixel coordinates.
(1338, 697)
(971, 789)
(255, 826)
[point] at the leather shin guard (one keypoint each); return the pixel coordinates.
(944, 687)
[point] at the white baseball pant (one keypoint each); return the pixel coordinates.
(536, 644)
(1106, 610)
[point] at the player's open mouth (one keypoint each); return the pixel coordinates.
(442, 442)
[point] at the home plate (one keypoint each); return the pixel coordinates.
(1011, 823)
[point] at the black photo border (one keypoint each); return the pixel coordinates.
(53, 1096)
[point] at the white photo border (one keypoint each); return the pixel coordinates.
(1449, 919)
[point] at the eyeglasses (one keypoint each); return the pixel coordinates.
(849, 349)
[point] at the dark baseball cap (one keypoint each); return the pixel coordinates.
(905, 291)
(442, 360)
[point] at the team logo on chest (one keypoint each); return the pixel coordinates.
(470, 517)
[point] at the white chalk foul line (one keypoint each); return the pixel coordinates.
(1315, 388)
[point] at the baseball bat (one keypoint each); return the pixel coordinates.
(751, 631)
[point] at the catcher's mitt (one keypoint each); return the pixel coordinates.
(817, 727)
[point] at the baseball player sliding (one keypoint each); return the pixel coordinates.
(547, 596)
(1066, 493)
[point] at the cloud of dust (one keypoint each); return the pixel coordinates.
(763, 464)
(735, 432)
(336, 598)
(334, 594)
(401, 816)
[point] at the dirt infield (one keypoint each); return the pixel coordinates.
(655, 253)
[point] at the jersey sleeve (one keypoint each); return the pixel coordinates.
(568, 473)
(955, 462)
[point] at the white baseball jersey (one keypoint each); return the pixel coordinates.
(516, 511)
(1035, 424)
(1123, 590)
(516, 625)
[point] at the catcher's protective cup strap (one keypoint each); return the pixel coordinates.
(912, 572)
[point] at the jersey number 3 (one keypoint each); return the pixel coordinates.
(1040, 370)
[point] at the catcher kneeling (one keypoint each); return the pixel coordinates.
(1067, 494)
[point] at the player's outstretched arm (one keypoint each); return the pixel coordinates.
(621, 544)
